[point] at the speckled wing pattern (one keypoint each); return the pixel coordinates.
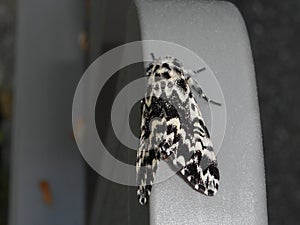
(172, 128)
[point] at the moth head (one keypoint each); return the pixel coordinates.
(168, 67)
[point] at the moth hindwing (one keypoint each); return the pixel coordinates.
(173, 128)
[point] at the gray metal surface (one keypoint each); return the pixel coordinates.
(216, 32)
(49, 65)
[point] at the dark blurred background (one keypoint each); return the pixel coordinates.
(7, 48)
(274, 31)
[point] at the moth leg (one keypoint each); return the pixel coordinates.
(146, 167)
(196, 87)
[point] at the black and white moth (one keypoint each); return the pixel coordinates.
(172, 128)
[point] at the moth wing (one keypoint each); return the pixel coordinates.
(147, 157)
(159, 137)
(201, 170)
(202, 174)
(146, 167)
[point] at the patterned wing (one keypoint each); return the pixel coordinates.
(159, 139)
(201, 170)
(147, 160)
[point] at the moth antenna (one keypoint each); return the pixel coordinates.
(152, 55)
(199, 71)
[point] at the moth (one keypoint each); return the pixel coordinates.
(173, 129)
